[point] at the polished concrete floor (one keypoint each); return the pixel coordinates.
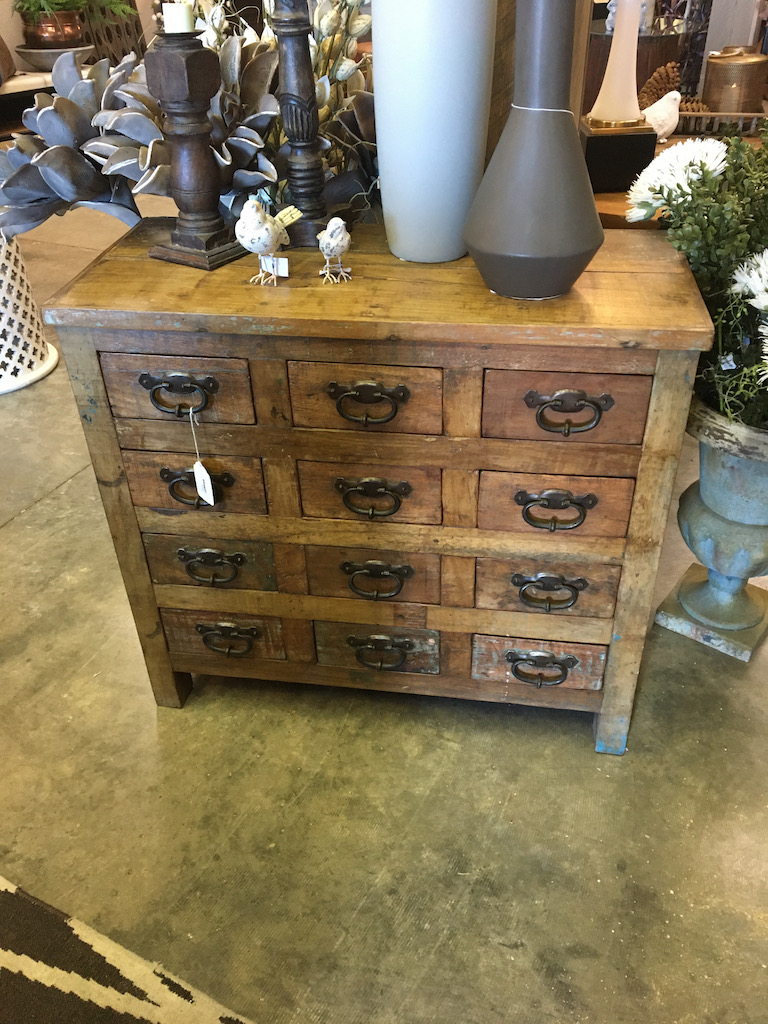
(335, 857)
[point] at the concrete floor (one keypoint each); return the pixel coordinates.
(335, 857)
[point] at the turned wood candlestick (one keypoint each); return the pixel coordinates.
(183, 76)
(298, 110)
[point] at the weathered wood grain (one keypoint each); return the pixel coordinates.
(148, 488)
(320, 497)
(257, 572)
(327, 578)
(230, 403)
(420, 413)
(506, 414)
(489, 660)
(597, 598)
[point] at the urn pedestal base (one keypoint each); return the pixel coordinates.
(736, 643)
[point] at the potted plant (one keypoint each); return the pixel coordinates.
(57, 23)
(711, 196)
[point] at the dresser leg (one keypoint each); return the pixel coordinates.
(611, 733)
(171, 689)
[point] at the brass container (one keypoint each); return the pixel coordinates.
(734, 80)
(54, 31)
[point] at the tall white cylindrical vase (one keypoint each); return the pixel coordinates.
(432, 67)
(25, 355)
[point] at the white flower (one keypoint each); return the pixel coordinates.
(751, 279)
(673, 170)
(212, 24)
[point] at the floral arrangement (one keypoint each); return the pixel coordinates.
(711, 195)
(98, 142)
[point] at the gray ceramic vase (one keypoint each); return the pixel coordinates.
(723, 518)
(533, 226)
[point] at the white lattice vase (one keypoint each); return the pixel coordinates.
(25, 355)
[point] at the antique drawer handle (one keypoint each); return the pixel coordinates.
(228, 638)
(179, 478)
(385, 653)
(394, 575)
(175, 386)
(371, 487)
(535, 667)
(535, 590)
(567, 402)
(368, 392)
(210, 558)
(551, 501)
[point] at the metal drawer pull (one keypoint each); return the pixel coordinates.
(386, 653)
(372, 487)
(532, 667)
(175, 386)
(395, 575)
(178, 478)
(567, 402)
(210, 558)
(555, 501)
(228, 638)
(368, 392)
(535, 590)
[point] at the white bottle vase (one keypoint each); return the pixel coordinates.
(432, 67)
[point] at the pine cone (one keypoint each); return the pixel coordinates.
(690, 105)
(663, 80)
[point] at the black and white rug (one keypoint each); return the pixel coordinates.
(56, 970)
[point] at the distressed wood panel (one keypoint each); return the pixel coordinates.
(320, 497)
(183, 636)
(505, 413)
(595, 586)
(246, 494)
(420, 413)
(498, 510)
(327, 578)
(230, 403)
(489, 661)
(251, 563)
(422, 654)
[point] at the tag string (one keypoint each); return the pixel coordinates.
(194, 435)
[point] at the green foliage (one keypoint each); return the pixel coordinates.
(722, 222)
(33, 10)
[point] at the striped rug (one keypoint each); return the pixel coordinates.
(56, 970)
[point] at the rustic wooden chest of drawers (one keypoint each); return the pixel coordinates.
(420, 486)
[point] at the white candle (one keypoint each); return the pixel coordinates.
(178, 17)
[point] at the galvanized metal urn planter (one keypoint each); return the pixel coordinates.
(533, 226)
(723, 518)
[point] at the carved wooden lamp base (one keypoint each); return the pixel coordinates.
(183, 76)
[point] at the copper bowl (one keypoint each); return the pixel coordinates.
(54, 31)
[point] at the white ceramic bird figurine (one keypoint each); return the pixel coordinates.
(257, 232)
(664, 114)
(334, 242)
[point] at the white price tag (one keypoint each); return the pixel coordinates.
(203, 483)
(277, 265)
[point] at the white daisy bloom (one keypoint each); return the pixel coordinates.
(751, 279)
(673, 170)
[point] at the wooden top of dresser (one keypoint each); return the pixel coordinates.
(637, 293)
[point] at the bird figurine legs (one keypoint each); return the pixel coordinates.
(333, 272)
(264, 275)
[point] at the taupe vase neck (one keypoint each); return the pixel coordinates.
(533, 226)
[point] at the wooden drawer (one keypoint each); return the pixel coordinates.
(404, 494)
(201, 561)
(373, 574)
(244, 493)
(538, 662)
(386, 649)
(209, 635)
(138, 384)
(570, 588)
(355, 396)
(601, 503)
(615, 404)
